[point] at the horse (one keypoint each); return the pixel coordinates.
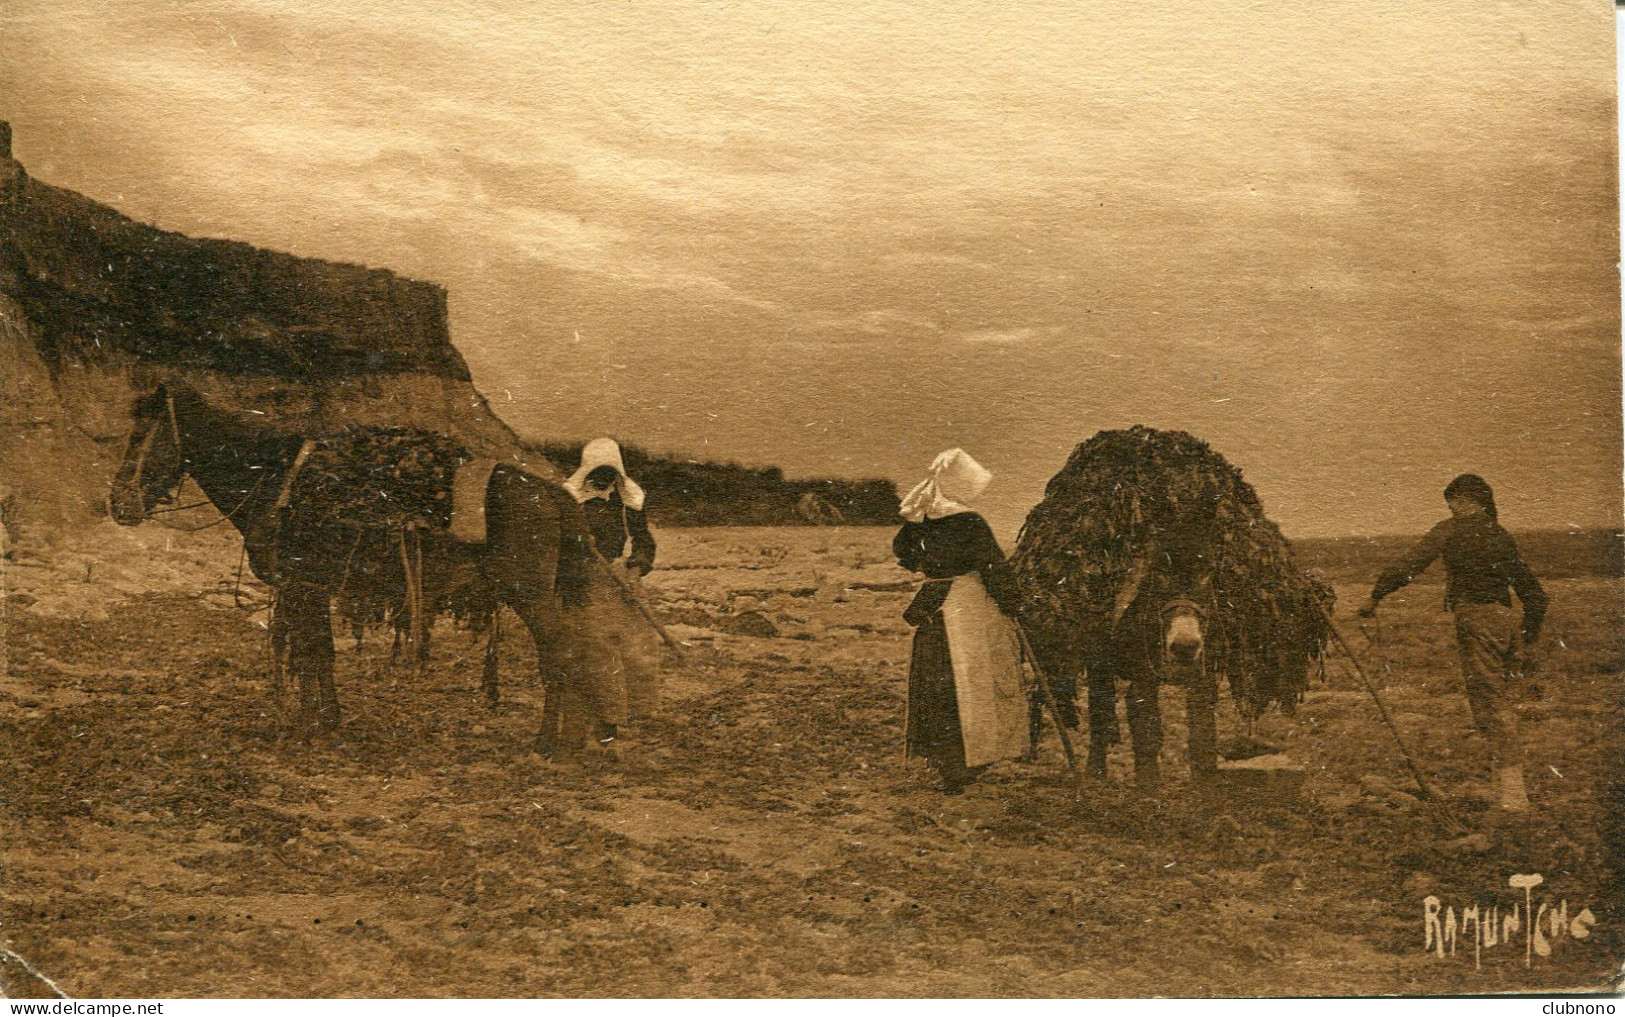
(537, 559)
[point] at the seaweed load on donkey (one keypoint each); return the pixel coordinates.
(1150, 559)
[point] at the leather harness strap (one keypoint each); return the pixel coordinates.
(305, 449)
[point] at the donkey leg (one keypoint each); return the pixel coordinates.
(1035, 727)
(1102, 720)
(1145, 728)
(1200, 697)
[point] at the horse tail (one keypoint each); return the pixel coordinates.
(529, 521)
(576, 552)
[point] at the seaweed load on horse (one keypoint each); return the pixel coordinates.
(362, 514)
(1150, 559)
(366, 500)
(380, 477)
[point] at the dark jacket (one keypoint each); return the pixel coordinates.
(945, 548)
(612, 523)
(1481, 564)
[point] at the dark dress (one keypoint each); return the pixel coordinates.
(941, 549)
(612, 523)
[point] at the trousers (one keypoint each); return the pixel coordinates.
(1487, 640)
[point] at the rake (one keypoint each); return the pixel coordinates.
(1441, 810)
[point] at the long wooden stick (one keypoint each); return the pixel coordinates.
(643, 609)
(1445, 815)
(1048, 695)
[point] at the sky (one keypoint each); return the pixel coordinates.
(1359, 253)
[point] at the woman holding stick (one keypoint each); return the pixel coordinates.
(613, 504)
(966, 705)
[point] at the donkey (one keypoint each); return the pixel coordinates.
(1157, 636)
(537, 560)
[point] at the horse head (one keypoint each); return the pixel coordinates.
(153, 465)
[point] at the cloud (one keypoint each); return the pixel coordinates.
(1292, 210)
(999, 336)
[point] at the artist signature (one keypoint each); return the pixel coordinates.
(1488, 926)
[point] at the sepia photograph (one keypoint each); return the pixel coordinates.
(731, 499)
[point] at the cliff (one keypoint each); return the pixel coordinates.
(96, 308)
(684, 492)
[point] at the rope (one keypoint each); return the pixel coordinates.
(417, 597)
(488, 677)
(237, 587)
(413, 577)
(344, 577)
(225, 518)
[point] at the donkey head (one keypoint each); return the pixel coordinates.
(1171, 579)
(1182, 635)
(153, 463)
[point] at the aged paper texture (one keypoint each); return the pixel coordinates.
(495, 495)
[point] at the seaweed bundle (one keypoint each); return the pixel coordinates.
(1124, 497)
(381, 477)
(362, 502)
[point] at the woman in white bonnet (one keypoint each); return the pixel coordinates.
(613, 505)
(966, 704)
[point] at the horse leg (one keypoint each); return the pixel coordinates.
(277, 628)
(488, 679)
(327, 706)
(543, 620)
(310, 657)
(1200, 696)
(1145, 728)
(1102, 719)
(551, 735)
(574, 720)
